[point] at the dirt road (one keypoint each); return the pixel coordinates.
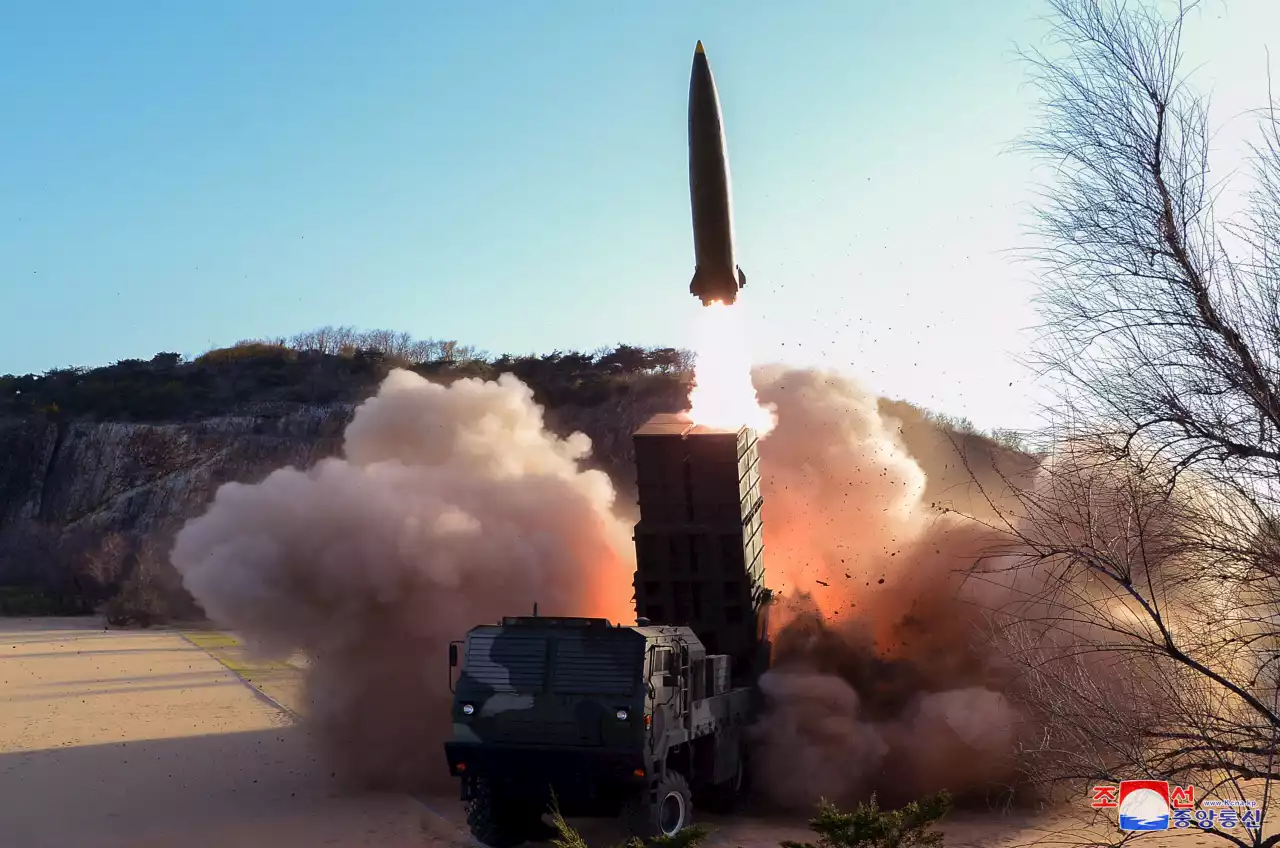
(163, 738)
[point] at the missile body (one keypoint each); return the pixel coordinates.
(716, 275)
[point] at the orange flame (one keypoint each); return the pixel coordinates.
(723, 396)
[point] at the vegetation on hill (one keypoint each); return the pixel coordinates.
(329, 365)
(47, 569)
(341, 364)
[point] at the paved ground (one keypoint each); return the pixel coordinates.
(142, 739)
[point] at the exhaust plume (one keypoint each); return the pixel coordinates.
(722, 395)
(879, 680)
(450, 506)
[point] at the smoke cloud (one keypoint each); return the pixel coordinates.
(881, 680)
(451, 506)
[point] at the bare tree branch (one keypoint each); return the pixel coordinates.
(1144, 563)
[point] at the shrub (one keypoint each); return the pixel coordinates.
(866, 827)
(870, 827)
(567, 837)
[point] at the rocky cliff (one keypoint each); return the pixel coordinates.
(98, 469)
(143, 479)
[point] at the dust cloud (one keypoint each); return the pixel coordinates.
(880, 679)
(450, 506)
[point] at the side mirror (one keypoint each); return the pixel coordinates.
(453, 656)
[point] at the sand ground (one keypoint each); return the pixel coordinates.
(149, 738)
(140, 739)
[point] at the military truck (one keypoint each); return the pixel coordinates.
(642, 721)
(636, 721)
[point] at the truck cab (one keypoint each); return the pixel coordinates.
(606, 719)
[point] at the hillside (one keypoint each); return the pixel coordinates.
(99, 467)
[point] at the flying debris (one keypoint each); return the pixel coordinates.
(716, 276)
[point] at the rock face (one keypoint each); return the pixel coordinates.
(146, 479)
(143, 478)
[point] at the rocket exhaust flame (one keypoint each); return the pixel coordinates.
(723, 395)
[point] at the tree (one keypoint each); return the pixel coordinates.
(668, 359)
(625, 359)
(330, 340)
(1146, 560)
(166, 360)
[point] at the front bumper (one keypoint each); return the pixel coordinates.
(537, 769)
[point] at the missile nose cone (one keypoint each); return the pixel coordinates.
(699, 49)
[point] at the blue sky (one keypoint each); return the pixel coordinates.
(513, 175)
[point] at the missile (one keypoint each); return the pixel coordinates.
(716, 276)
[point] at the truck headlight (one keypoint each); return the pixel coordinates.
(622, 715)
(468, 709)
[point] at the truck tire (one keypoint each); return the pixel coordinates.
(724, 798)
(499, 822)
(669, 811)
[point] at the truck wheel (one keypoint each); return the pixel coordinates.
(723, 798)
(669, 812)
(498, 822)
